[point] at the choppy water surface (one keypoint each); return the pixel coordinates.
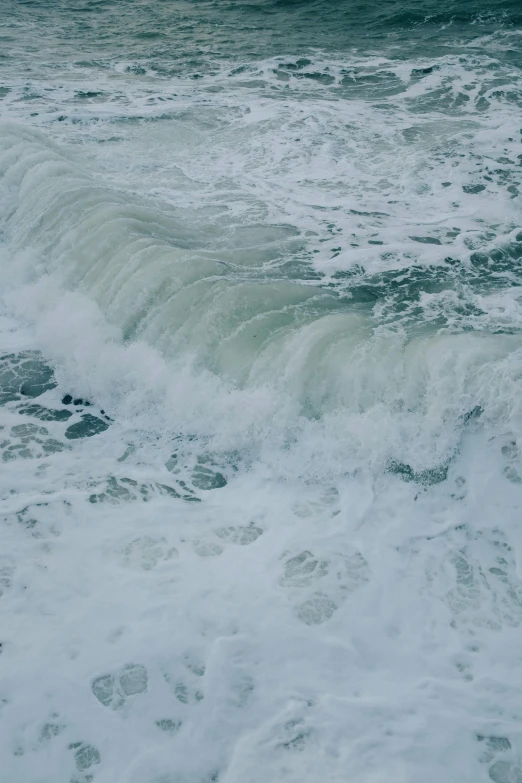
(260, 391)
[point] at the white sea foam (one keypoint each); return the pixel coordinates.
(292, 551)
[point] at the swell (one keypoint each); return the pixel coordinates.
(149, 31)
(338, 389)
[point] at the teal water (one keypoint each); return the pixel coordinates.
(261, 355)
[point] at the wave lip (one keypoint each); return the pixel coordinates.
(292, 355)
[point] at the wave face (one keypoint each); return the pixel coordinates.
(260, 391)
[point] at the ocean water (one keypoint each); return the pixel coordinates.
(260, 391)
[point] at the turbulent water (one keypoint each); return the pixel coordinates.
(261, 391)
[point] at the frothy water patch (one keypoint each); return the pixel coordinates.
(276, 604)
(260, 419)
(201, 624)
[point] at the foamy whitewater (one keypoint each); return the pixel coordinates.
(260, 391)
